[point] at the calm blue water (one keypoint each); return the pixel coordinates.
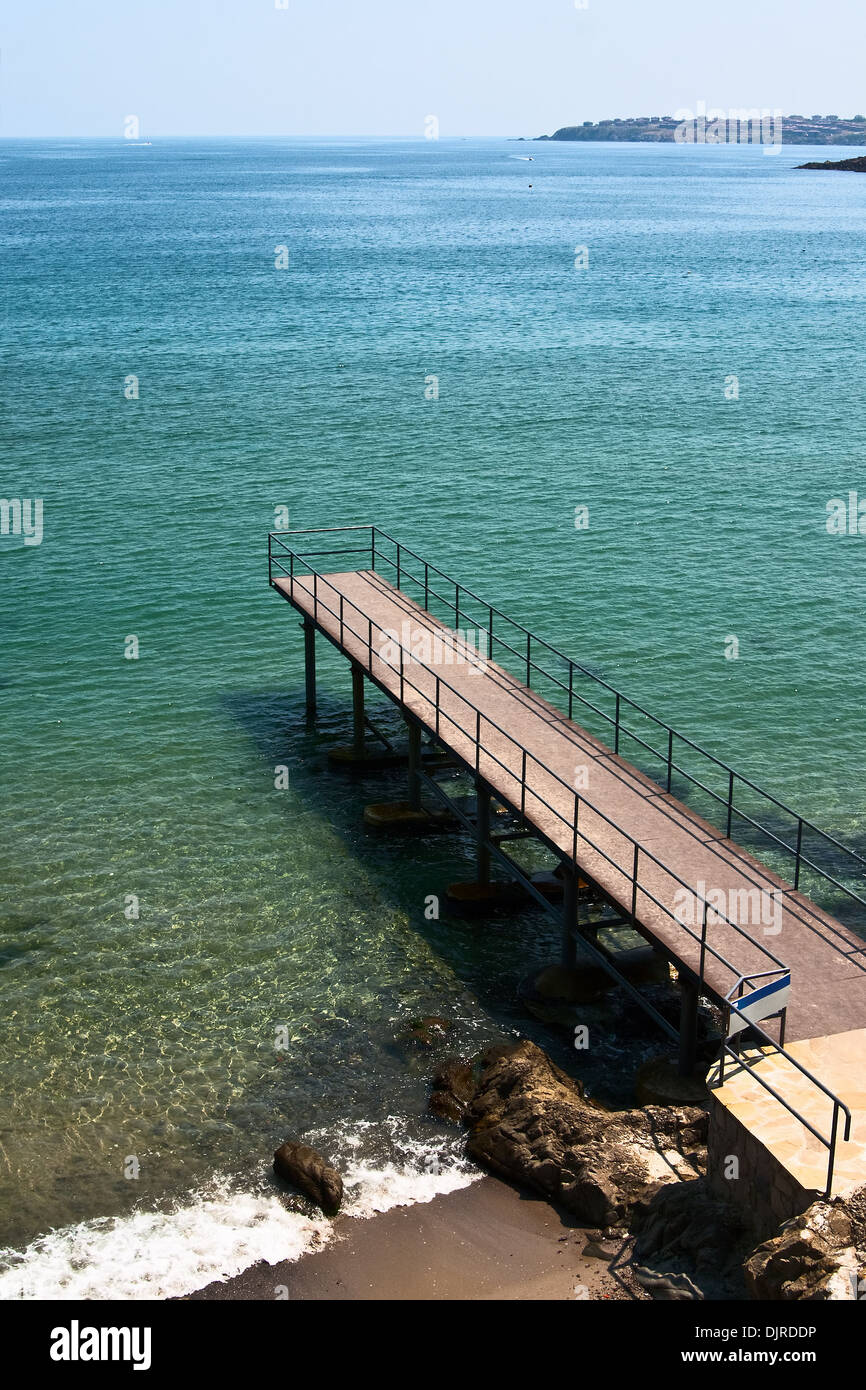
(304, 388)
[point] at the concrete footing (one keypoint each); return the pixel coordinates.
(479, 899)
(369, 759)
(399, 817)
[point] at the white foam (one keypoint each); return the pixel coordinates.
(421, 1170)
(161, 1254)
(220, 1232)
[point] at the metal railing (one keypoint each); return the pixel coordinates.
(751, 1064)
(523, 793)
(529, 656)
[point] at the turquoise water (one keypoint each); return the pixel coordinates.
(304, 388)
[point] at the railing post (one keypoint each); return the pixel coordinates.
(370, 643)
(574, 835)
(670, 755)
(477, 741)
(315, 596)
(634, 883)
(401, 673)
(529, 660)
(523, 786)
(616, 730)
(373, 549)
(456, 605)
(570, 689)
(341, 620)
(703, 942)
(270, 570)
(437, 706)
(799, 851)
(426, 586)
(398, 566)
(490, 637)
(831, 1161)
(730, 803)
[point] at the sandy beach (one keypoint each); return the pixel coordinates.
(487, 1241)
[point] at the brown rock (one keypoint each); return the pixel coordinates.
(533, 1124)
(453, 1088)
(817, 1256)
(304, 1168)
(425, 1033)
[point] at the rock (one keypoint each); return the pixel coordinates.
(453, 1088)
(532, 1124)
(685, 1226)
(850, 166)
(818, 1256)
(425, 1033)
(600, 1250)
(669, 1287)
(304, 1168)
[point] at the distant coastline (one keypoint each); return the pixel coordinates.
(796, 130)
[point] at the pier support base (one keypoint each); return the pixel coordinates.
(484, 899)
(310, 667)
(399, 818)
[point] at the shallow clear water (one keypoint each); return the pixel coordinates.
(304, 388)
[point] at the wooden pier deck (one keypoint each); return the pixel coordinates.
(529, 753)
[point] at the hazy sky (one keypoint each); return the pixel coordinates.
(361, 67)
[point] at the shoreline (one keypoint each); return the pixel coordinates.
(487, 1241)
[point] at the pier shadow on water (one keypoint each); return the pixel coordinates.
(488, 957)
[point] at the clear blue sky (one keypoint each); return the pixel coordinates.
(379, 67)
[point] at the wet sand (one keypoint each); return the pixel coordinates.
(487, 1241)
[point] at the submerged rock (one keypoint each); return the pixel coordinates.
(453, 1089)
(532, 1123)
(304, 1168)
(425, 1033)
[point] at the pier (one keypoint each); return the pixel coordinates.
(505, 706)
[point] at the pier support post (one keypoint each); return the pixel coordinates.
(310, 666)
(414, 765)
(569, 918)
(688, 1026)
(482, 829)
(357, 709)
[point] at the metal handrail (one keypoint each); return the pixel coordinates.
(751, 1065)
(578, 800)
(801, 858)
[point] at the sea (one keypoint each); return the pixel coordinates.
(612, 389)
